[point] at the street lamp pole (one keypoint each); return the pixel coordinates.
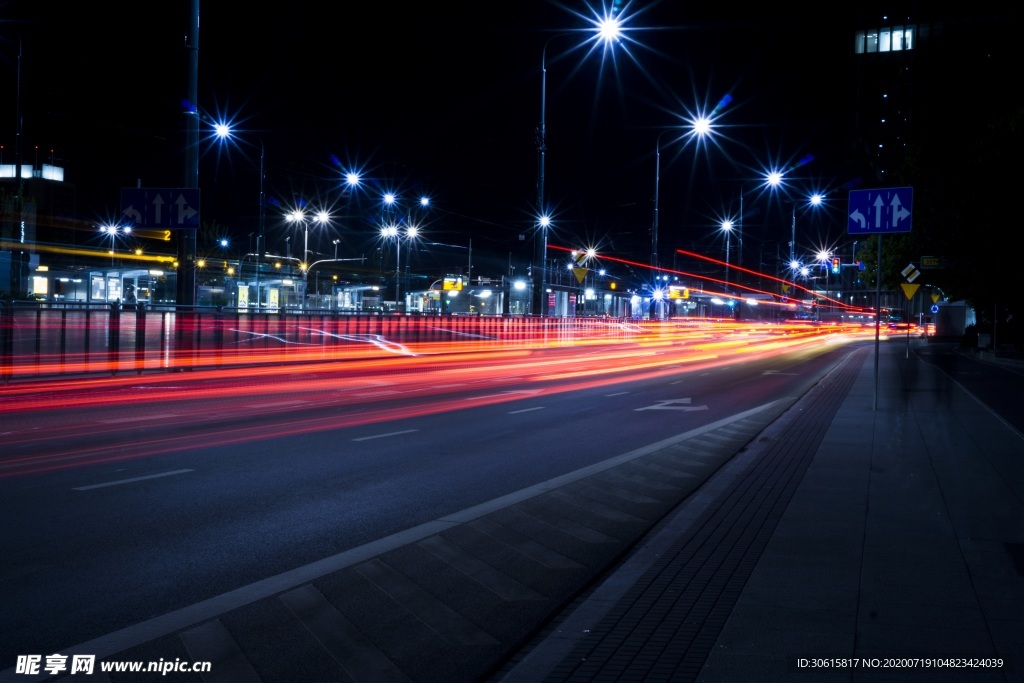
(739, 227)
(398, 268)
(792, 238)
(321, 217)
(223, 131)
(410, 234)
(540, 257)
(727, 229)
(608, 30)
(260, 233)
(657, 183)
(389, 232)
(698, 127)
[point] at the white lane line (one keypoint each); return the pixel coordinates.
(381, 436)
(129, 481)
(620, 393)
(506, 394)
(525, 410)
(140, 418)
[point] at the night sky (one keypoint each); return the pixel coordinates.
(441, 99)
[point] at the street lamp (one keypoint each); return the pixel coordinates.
(699, 127)
(775, 179)
(224, 132)
(727, 229)
(824, 257)
(388, 233)
(261, 234)
(608, 29)
(299, 216)
(411, 233)
(113, 231)
(544, 221)
(391, 232)
(771, 180)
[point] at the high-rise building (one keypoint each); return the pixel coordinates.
(921, 69)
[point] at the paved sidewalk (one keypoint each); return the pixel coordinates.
(875, 532)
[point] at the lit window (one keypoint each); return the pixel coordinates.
(892, 39)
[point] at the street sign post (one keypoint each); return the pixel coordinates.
(876, 212)
(160, 207)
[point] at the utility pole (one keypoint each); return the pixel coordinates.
(260, 233)
(18, 255)
(186, 295)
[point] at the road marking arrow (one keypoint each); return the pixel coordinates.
(671, 405)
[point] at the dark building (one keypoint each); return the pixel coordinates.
(917, 69)
(37, 224)
(935, 107)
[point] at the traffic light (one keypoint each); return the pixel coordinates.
(835, 265)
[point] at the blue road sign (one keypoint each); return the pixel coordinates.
(880, 211)
(160, 207)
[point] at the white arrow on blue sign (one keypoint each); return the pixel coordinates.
(160, 207)
(880, 211)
